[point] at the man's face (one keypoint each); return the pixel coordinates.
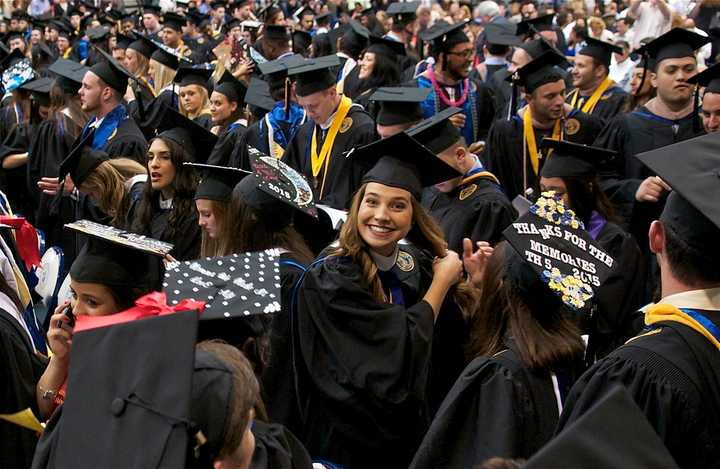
(218, 13)
(306, 23)
(670, 79)
(319, 106)
(170, 37)
(621, 27)
(63, 44)
(75, 20)
(528, 11)
(244, 12)
(90, 93)
(150, 21)
(547, 101)
(518, 59)
(17, 43)
(711, 112)
(585, 71)
(459, 60)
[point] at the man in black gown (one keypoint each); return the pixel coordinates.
(671, 370)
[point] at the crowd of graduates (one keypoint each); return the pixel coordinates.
(358, 234)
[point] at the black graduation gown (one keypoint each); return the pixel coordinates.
(364, 367)
(476, 209)
(226, 148)
(187, 234)
(497, 408)
(205, 120)
(342, 178)
(614, 318)
(128, 141)
(21, 370)
(503, 155)
(502, 92)
(277, 448)
(13, 182)
(672, 374)
(611, 103)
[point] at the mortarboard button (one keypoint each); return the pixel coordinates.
(117, 407)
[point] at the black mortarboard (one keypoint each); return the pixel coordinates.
(386, 46)
(99, 34)
(502, 34)
(195, 17)
(195, 139)
(217, 4)
(536, 47)
(39, 23)
(85, 22)
(572, 159)
(614, 432)
(14, 35)
(39, 89)
(277, 32)
(131, 384)
(122, 41)
(276, 190)
(358, 29)
(258, 94)
(217, 182)
(599, 50)
(106, 20)
(539, 71)
(444, 36)
(112, 72)
(90, 7)
(81, 161)
(437, 133)
(314, 75)
(231, 24)
(193, 76)
(302, 11)
(41, 49)
(399, 105)
(69, 74)
(151, 7)
(691, 169)
(403, 12)
(323, 17)
(401, 161)
(340, 31)
(534, 25)
(674, 44)
(238, 285)
(708, 78)
(231, 87)
(73, 10)
(167, 56)
(144, 46)
(301, 41)
(279, 67)
(115, 14)
(12, 58)
(553, 249)
(173, 21)
(118, 258)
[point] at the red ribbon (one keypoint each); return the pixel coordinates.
(152, 304)
(26, 240)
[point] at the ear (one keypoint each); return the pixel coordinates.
(656, 237)
(653, 79)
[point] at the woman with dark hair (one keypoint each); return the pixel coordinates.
(374, 320)
(640, 96)
(571, 172)
(378, 66)
(227, 108)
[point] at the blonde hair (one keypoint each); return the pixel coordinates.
(162, 77)
(108, 182)
(143, 66)
(204, 107)
(594, 21)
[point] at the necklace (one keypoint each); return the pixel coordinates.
(445, 99)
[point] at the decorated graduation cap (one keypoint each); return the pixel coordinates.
(403, 12)
(17, 71)
(401, 161)
(118, 258)
(217, 182)
(691, 169)
(112, 72)
(69, 74)
(193, 76)
(143, 46)
(132, 383)
(502, 34)
(570, 159)
(385, 46)
(232, 88)
(539, 71)
(313, 75)
(250, 25)
(399, 105)
(173, 21)
(553, 259)
(531, 26)
(39, 89)
(437, 133)
(599, 50)
(82, 160)
(443, 36)
(258, 95)
(601, 435)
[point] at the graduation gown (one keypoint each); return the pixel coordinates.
(127, 142)
(476, 209)
(277, 448)
(21, 370)
(672, 374)
(503, 155)
(611, 102)
(226, 148)
(187, 234)
(364, 366)
(13, 182)
(497, 408)
(342, 179)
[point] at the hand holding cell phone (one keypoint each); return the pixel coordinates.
(60, 333)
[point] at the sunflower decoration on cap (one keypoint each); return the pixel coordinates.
(551, 207)
(573, 290)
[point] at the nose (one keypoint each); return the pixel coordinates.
(381, 213)
(153, 162)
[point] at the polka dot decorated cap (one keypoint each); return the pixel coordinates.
(232, 286)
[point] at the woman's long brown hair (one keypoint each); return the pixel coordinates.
(108, 182)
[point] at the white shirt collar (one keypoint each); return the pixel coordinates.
(708, 299)
(385, 263)
(166, 204)
(135, 179)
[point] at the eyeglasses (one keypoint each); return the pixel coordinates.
(466, 54)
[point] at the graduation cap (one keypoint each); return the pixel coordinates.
(193, 76)
(99, 34)
(151, 7)
(403, 12)
(122, 41)
(323, 18)
(599, 50)
(676, 43)
(133, 383)
(69, 74)
(301, 41)
(82, 160)
(73, 10)
(614, 432)
(313, 75)
(278, 68)
(112, 72)
(195, 139)
(570, 159)
(217, 4)
(249, 25)
(399, 105)
(531, 26)
(39, 23)
(536, 47)
(443, 36)
(195, 17)
(60, 24)
(386, 46)
(401, 161)
(41, 49)
(17, 71)
(167, 56)
(502, 34)
(358, 29)
(14, 35)
(708, 78)
(173, 21)
(539, 71)
(258, 95)
(303, 11)
(277, 32)
(143, 46)
(39, 89)
(437, 133)
(230, 25)
(107, 20)
(217, 182)
(235, 286)
(12, 58)
(555, 259)
(118, 258)
(231, 87)
(691, 169)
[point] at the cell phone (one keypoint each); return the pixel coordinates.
(68, 312)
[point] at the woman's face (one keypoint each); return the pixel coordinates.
(206, 217)
(152, 66)
(558, 186)
(160, 166)
(635, 83)
(221, 108)
(242, 456)
(131, 60)
(92, 299)
(367, 65)
(191, 98)
(384, 217)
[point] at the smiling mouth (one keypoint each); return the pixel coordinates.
(380, 229)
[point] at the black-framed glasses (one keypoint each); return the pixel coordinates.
(466, 54)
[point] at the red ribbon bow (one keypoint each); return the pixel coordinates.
(26, 240)
(152, 304)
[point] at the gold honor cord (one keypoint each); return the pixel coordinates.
(590, 104)
(323, 159)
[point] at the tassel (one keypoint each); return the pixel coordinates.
(512, 109)
(287, 98)
(645, 61)
(696, 110)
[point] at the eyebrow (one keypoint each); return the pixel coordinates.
(401, 198)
